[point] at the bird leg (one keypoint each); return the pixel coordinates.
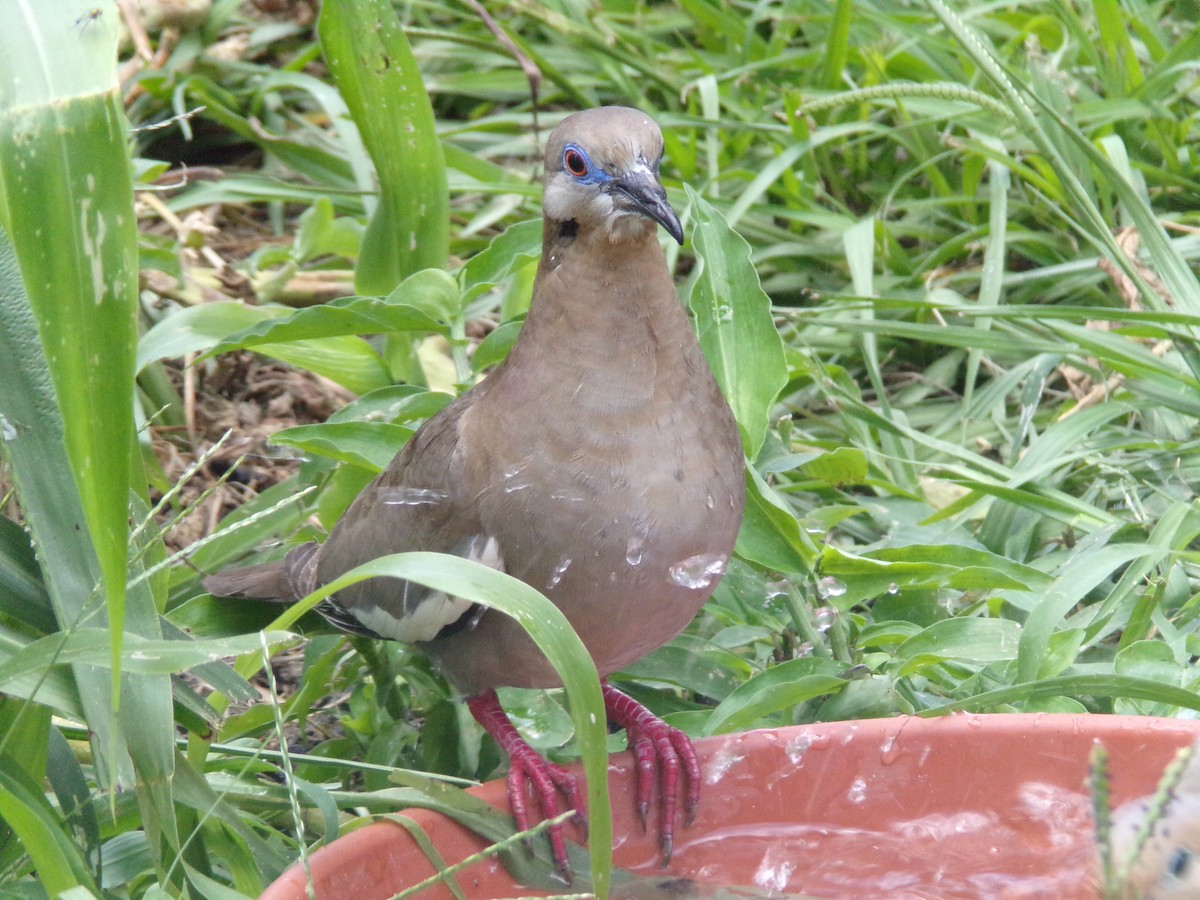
(530, 770)
(657, 745)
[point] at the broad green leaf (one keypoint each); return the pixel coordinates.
(920, 565)
(24, 736)
(200, 328)
(350, 141)
(345, 359)
(1062, 651)
(54, 688)
(841, 467)
(971, 639)
(1081, 574)
(431, 291)
(698, 666)
(887, 633)
(872, 697)
(396, 403)
(36, 451)
(777, 688)
(838, 467)
(369, 445)
(421, 303)
(495, 347)
(1149, 659)
(1153, 661)
(377, 76)
(66, 183)
(313, 230)
(515, 246)
(770, 534)
(734, 324)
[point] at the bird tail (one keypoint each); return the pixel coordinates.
(283, 581)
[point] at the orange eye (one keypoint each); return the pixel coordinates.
(575, 162)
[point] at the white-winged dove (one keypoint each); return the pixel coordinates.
(1156, 839)
(599, 463)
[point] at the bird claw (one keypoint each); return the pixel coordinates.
(657, 748)
(530, 773)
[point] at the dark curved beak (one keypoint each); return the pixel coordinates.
(648, 197)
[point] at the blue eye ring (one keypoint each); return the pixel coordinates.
(575, 162)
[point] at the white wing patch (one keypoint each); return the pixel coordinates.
(432, 614)
(427, 612)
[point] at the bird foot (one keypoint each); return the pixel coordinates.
(529, 772)
(659, 747)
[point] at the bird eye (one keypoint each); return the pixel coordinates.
(1179, 863)
(575, 162)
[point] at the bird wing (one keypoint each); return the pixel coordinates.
(282, 581)
(420, 502)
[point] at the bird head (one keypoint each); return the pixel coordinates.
(602, 173)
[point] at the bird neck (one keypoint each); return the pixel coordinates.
(605, 315)
(592, 282)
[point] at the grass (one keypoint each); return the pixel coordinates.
(975, 452)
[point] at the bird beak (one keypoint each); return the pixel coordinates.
(649, 198)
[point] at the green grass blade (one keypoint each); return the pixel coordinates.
(59, 864)
(837, 45)
(549, 629)
(1070, 686)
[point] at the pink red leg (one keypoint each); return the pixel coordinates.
(528, 770)
(657, 746)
